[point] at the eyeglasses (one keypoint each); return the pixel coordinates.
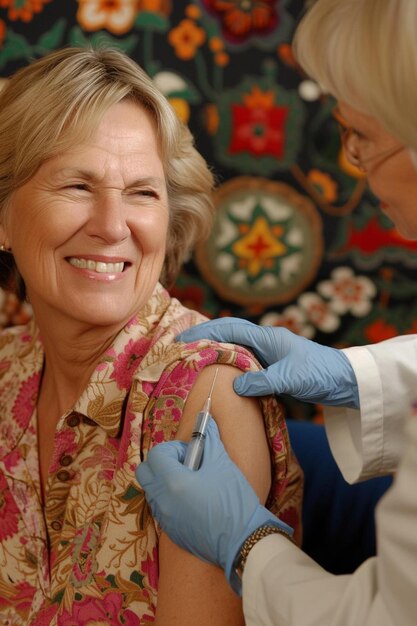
(350, 141)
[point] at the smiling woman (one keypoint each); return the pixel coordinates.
(102, 197)
(99, 219)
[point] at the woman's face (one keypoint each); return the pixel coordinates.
(88, 231)
(392, 179)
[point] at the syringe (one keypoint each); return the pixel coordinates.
(196, 446)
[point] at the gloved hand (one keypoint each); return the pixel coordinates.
(209, 512)
(297, 366)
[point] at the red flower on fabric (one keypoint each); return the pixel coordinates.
(278, 442)
(64, 445)
(9, 513)
(26, 400)
(24, 597)
(150, 567)
(290, 517)
(178, 382)
(243, 361)
(104, 611)
(379, 331)
(12, 459)
(44, 617)
(127, 362)
(240, 19)
(24, 10)
(125, 441)
(259, 125)
(2, 31)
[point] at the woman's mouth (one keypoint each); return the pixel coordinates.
(97, 266)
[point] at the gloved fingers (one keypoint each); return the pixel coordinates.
(166, 458)
(262, 383)
(225, 329)
(144, 474)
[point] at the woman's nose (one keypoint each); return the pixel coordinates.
(108, 219)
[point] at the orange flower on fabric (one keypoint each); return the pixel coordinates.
(181, 108)
(116, 16)
(259, 99)
(162, 7)
(286, 55)
(23, 9)
(186, 38)
(324, 184)
(216, 44)
(212, 119)
(221, 59)
(193, 12)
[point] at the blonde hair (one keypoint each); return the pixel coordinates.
(57, 101)
(364, 52)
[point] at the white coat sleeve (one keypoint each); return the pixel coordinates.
(369, 442)
(282, 586)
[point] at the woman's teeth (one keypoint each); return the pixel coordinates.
(97, 266)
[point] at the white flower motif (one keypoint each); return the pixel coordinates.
(168, 83)
(292, 318)
(347, 292)
(117, 17)
(318, 312)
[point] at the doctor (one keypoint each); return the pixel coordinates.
(363, 52)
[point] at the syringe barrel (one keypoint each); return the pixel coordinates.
(196, 446)
(194, 451)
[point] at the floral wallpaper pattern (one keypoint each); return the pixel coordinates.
(298, 239)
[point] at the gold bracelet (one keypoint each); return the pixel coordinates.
(252, 540)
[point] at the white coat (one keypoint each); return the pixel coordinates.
(282, 586)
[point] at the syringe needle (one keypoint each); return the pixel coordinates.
(196, 445)
(207, 404)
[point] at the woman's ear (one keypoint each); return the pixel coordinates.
(4, 240)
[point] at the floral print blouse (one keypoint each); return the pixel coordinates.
(90, 555)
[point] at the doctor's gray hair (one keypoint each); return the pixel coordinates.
(58, 101)
(364, 52)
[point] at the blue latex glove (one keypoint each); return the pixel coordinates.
(297, 366)
(209, 512)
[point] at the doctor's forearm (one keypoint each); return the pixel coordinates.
(282, 586)
(370, 442)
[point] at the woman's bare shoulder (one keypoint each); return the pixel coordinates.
(240, 422)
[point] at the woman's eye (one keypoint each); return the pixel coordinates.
(76, 186)
(148, 193)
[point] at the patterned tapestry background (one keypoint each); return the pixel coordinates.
(298, 239)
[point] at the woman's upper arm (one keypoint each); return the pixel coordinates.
(191, 591)
(240, 423)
